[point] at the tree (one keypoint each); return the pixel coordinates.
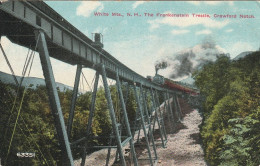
(230, 128)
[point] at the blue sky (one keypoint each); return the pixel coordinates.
(140, 41)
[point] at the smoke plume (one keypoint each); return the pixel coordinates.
(187, 61)
(160, 65)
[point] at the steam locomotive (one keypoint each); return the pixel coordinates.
(174, 85)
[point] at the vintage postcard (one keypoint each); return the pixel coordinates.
(129, 83)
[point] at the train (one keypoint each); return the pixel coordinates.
(174, 85)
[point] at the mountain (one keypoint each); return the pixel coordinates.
(33, 82)
(242, 55)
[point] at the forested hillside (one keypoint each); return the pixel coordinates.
(231, 110)
(231, 116)
(34, 127)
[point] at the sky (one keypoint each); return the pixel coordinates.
(141, 41)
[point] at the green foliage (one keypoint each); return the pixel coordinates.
(35, 131)
(241, 144)
(230, 128)
(131, 105)
(213, 82)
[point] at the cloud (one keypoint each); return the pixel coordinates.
(229, 30)
(240, 47)
(136, 4)
(186, 22)
(179, 32)
(204, 32)
(87, 7)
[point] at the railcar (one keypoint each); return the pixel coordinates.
(174, 85)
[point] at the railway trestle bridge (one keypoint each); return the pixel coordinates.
(36, 26)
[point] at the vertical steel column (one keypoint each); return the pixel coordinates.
(149, 109)
(157, 117)
(137, 124)
(127, 93)
(93, 102)
(125, 97)
(162, 119)
(73, 100)
(112, 114)
(109, 149)
(143, 124)
(153, 109)
(139, 132)
(145, 103)
(179, 106)
(167, 110)
(119, 89)
(170, 108)
(91, 115)
(54, 99)
(150, 132)
(176, 108)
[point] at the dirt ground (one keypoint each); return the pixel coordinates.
(183, 145)
(183, 148)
